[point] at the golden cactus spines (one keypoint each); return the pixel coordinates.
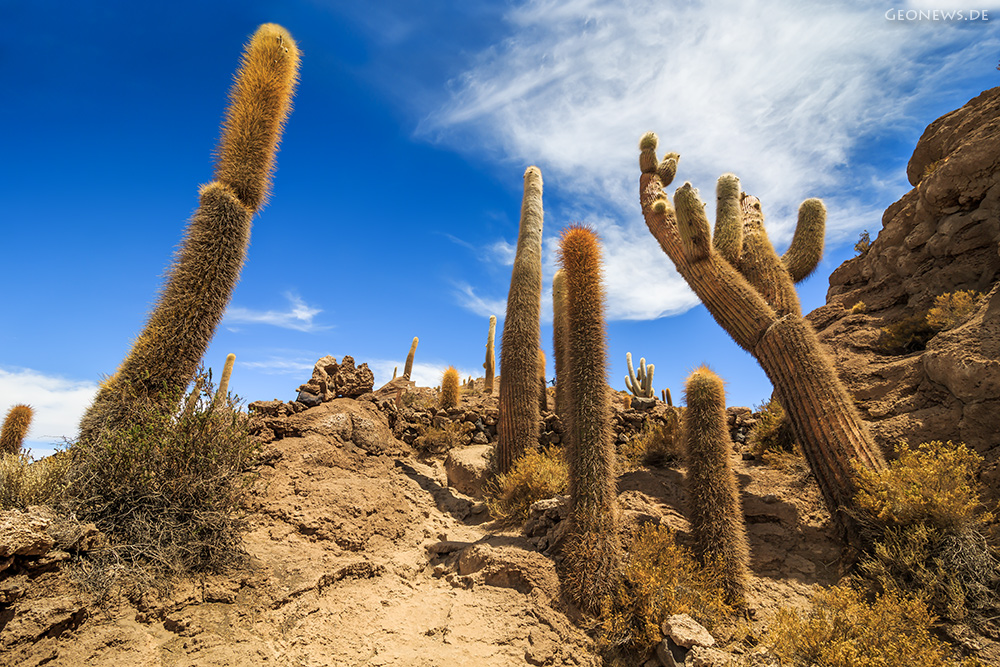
(806, 250)
(517, 424)
(592, 551)
(491, 358)
(408, 368)
(559, 339)
(200, 283)
(714, 507)
(15, 428)
(543, 394)
(728, 237)
(449, 389)
(227, 372)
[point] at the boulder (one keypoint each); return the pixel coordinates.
(466, 469)
(22, 534)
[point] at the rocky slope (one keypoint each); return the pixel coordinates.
(942, 236)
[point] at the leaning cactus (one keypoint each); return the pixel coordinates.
(408, 368)
(641, 383)
(517, 426)
(750, 293)
(491, 358)
(165, 356)
(592, 554)
(715, 511)
(15, 428)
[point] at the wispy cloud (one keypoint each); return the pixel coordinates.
(424, 374)
(299, 317)
(470, 300)
(280, 366)
(785, 95)
(58, 402)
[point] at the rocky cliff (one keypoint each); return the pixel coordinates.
(940, 237)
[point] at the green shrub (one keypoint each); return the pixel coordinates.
(24, 483)
(535, 476)
(167, 489)
(843, 630)
(952, 309)
(659, 578)
(659, 442)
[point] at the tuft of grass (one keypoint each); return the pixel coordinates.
(438, 440)
(659, 578)
(167, 488)
(23, 482)
(537, 475)
(844, 630)
(952, 308)
(859, 307)
(659, 442)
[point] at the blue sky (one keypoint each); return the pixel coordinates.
(397, 194)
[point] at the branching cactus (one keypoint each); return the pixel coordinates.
(165, 356)
(517, 426)
(491, 358)
(592, 552)
(641, 383)
(449, 388)
(714, 507)
(749, 291)
(15, 428)
(408, 368)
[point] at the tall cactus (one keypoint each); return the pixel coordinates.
(641, 383)
(408, 368)
(449, 388)
(200, 283)
(559, 340)
(517, 427)
(543, 394)
(593, 551)
(750, 293)
(491, 358)
(15, 428)
(714, 507)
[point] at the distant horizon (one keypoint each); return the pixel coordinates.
(397, 193)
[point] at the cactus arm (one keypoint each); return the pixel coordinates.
(728, 237)
(408, 368)
(647, 382)
(631, 382)
(803, 255)
(760, 265)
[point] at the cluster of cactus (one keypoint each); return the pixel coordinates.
(592, 553)
(714, 508)
(408, 368)
(750, 292)
(165, 356)
(15, 428)
(449, 388)
(517, 425)
(665, 394)
(641, 383)
(491, 358)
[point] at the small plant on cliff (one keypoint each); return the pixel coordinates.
(771, 438)
(537, 475)
(952, 309)
(863, 244)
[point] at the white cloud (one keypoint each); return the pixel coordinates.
(780, 93)
(298, 317)
(280, 366)
(424, 374)
(469, 299)
(58, 403)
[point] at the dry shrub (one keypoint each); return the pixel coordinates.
(535, 476)
(859, 307)
(952, 309)
(167, 489)
(909, 334)
(658, 444)
(24, 483)
(864, 243)
(438, 440)
(843, 630)
(659, 578)
(924, 517)
(772, 434)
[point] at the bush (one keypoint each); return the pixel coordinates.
(535, 476)
(659, 578)
(864, 243)
(843, 630)
(659, 442)
(438, 440)
(24, 483)
(952, 309)
(772, 433)
(909, 334)
(859, 307)
(167, 489)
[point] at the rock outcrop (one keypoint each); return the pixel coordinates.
(939, 238)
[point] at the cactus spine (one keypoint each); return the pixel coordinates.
(755, 302)
(449, 388)
(200, 283)
(593, 552)
(408, 368)
(491, 358)
(227, 372)
(15, 428)
(517, 426)
(559, 340)
(640, 384)
(543, 394)
(715, 511)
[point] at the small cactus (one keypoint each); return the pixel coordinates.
(408, 368)
(715, 511)
(449, 389)
(15, 428)
(641, 383)
(227, 371)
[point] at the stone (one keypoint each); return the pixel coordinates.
(22, 534)
(466, 469)
(643, 403)
(351, 382)
(308, 399)
(510, 567)
(687, 632)
(702, 656)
